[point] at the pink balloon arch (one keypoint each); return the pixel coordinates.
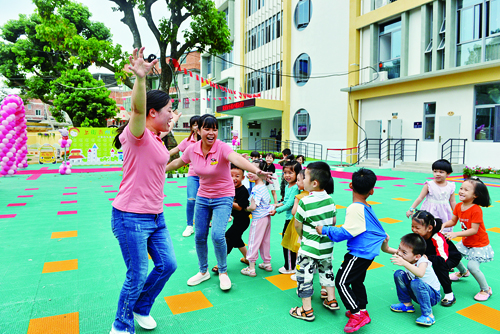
(13, 135)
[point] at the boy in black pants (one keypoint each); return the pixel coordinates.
(364, 235)
(241, 217)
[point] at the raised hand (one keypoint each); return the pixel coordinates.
(137, 64)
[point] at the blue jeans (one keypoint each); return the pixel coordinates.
(217, 210)
(416, 290)
(139, 234)
(193, 183)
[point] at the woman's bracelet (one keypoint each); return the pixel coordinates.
(412, 210)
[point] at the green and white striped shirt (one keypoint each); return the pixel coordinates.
(316, 209)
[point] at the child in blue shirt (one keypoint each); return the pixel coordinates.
(364, 235)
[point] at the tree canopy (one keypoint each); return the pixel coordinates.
(208, 29)
(49, 47)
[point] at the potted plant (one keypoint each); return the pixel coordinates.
(170, 174)
(468, 172)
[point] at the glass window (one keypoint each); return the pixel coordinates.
(185, 79)
(493, 14)
(209, 65)
(278, 26)
(302, 69)
(301, 124)
(485, 120)
(390, 48)
(273, 85)
(273, 33)
(429, 120)
(303, 12)
(38, 112)
(185, 125)
(185, 103)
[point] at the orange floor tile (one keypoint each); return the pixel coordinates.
(187, 302)
(494, 229)
(57, 324)
(375, 265)
(67, 234)
(340, 206)
(457, 239)
(483, 314)
(390, 220)
(283, 282)
(401, 199)
(373, 202)
(56, 266)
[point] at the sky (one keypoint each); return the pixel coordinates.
(101, 11)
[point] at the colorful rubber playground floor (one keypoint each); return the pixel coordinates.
(61, 269)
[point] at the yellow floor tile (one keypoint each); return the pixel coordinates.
(457, 239)
(401, 199)
(187, 302)
(67, 234)
(56, 266)
(390, 220)
(494, 229)
(57, 324)
(483, 314)
(340, 207)
(375, 265)
(373, 202)
(283, 282)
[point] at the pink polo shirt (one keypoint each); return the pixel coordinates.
(183, 146)
(144, 163)
(214, 170)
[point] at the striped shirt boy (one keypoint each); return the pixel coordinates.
(316, 209)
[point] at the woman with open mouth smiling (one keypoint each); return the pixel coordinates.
(211, 159)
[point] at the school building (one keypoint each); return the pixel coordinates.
(281, 51)
(423, 83)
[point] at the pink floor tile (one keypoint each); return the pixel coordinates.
(22, 196)
(69, 193)
(182, 187)
(67, 212)
(31, 189)
(105, 186)
(7, 216)
(111, 191)
(172, 182)
(16, 204)
(173, 204)
(68, 202)
(69, 187)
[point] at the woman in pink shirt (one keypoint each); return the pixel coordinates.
(211, 160)
(193, 181)
(137, 215)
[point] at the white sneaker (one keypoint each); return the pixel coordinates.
(146, 322)
(114, 331)
(198, 278)
(188, 231)
(225, 282)
(293, 277)
(284, 271)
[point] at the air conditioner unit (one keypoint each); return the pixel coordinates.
(186, 86)
(209, 76)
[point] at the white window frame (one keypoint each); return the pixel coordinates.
(426, 117)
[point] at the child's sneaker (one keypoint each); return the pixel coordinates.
(348, 314)
(248, 272)
(285, 271)
(457, 275)
(356, 322)
(188, 231)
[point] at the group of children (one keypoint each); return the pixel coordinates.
(427, 254)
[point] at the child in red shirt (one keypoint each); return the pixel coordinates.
(475, 245)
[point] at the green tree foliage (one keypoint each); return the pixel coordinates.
(53, 45)
(208, 29)
(76, 94)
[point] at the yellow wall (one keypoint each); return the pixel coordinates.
(180, 136)
(34, 138)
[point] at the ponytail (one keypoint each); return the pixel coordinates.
(116, 141)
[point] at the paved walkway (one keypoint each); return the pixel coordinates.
(61, 269)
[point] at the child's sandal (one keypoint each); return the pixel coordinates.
(215, 269)
(304, 315)
(331, 304)
(324, 294)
